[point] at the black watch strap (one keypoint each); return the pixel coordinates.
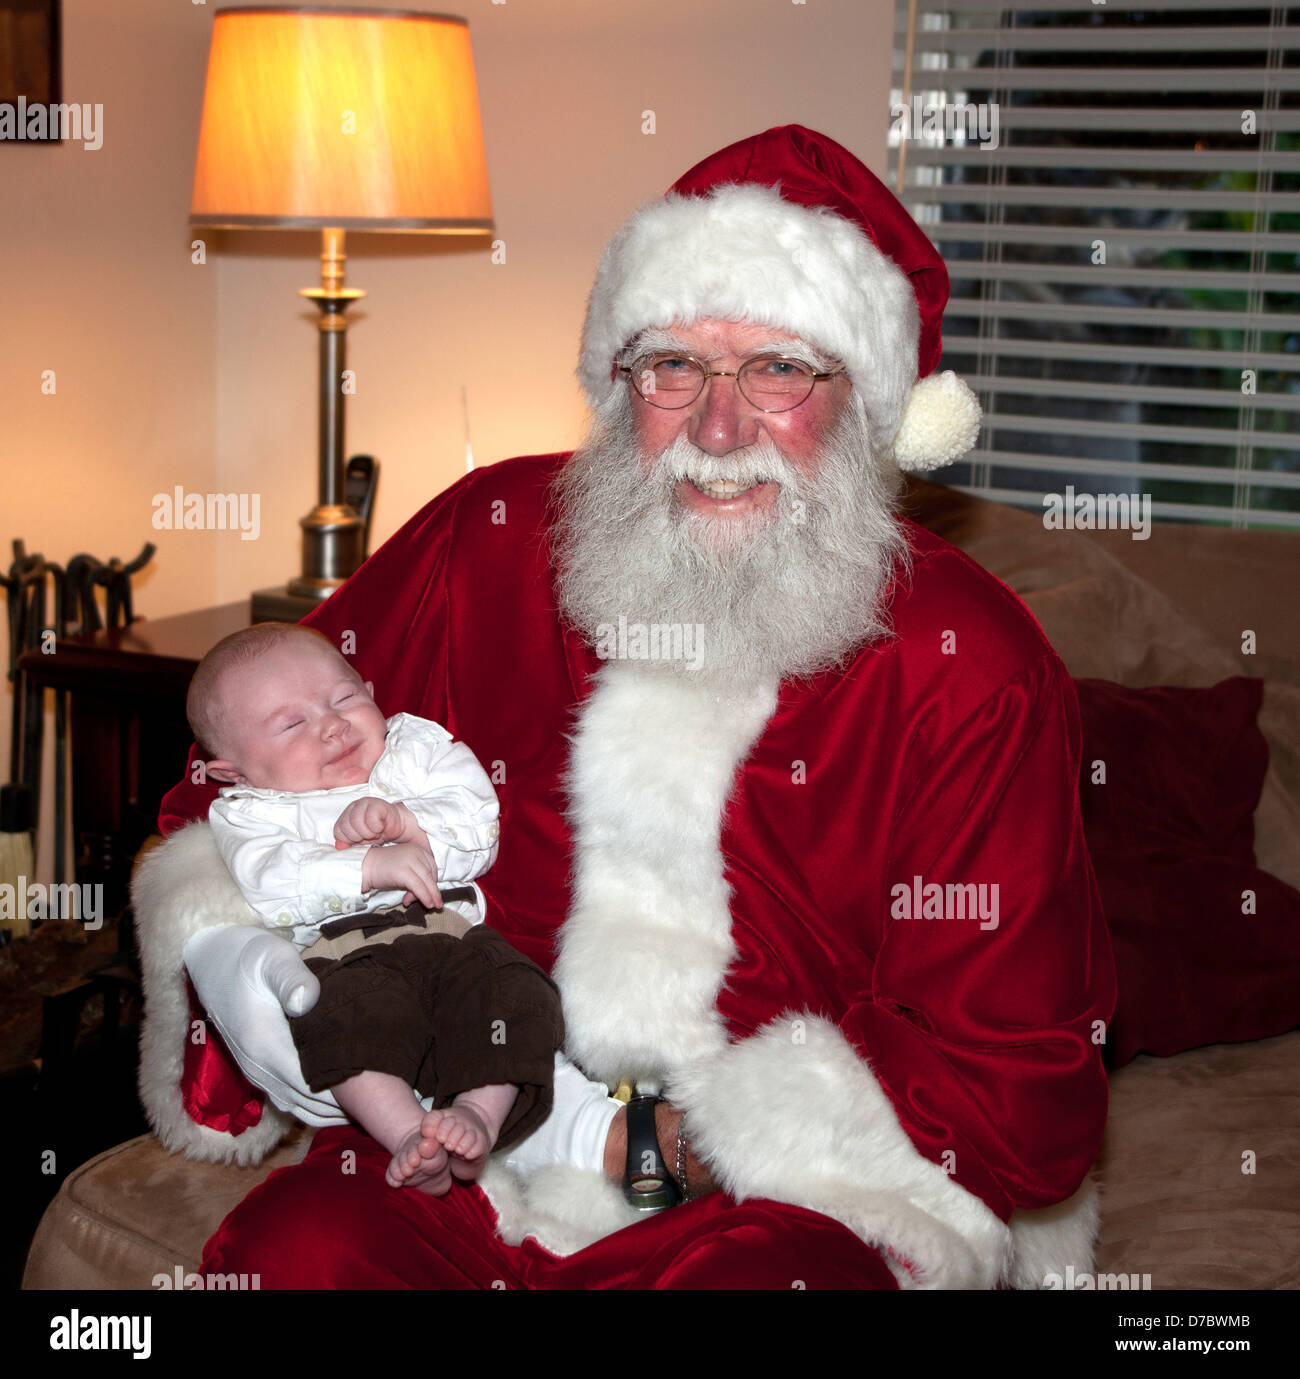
(647, 1184)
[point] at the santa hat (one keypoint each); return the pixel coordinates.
(788, 229)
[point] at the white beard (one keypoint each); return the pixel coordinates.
(786, 593)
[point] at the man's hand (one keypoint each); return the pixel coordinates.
(269, 962)
(371, 820)
(403, 866)
(246, 979)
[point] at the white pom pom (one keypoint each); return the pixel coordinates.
(940, 423)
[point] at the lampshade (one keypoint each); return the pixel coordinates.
(360, 119)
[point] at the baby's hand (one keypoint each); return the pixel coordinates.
(405, 866)
(368, 820)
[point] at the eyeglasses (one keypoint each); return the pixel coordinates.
(770, 382)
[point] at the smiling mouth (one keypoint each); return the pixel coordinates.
(725, 488)
(343, 756)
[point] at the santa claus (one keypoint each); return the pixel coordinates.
(789, 810)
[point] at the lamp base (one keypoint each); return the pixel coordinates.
(333, 547)
(279, 605)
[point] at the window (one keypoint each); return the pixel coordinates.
(1113, 187)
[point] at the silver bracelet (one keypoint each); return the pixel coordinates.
(681, 1160)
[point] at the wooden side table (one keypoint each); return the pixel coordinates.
(129, 735)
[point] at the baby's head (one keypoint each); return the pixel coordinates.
(275, 706)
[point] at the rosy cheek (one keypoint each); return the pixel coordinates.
(656, 429)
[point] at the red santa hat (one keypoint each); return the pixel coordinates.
(788, 229)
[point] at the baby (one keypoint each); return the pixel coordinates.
(341, 828)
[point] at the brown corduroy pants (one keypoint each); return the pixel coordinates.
(444, 1006)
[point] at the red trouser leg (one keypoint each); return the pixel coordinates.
(333, 1222)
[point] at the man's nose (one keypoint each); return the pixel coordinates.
(723, 420)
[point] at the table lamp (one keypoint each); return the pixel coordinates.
(337, 120)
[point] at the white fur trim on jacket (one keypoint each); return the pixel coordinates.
(641, 959)
(648, 937)
(179, 888)
(746, 253)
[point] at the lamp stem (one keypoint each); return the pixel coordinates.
(333, 360)
(333, 534)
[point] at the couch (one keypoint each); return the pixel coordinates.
(1200, 1169)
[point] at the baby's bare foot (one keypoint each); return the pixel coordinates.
(420, 1161)
(464, 1134)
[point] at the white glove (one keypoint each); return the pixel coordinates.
(246, 980)
(575, 1131)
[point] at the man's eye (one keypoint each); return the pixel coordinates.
(776, 368)
(670, 363)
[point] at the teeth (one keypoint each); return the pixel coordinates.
(723, 488)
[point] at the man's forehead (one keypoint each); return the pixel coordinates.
(710, 339)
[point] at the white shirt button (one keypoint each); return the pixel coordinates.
(284, 919)
(494, 831)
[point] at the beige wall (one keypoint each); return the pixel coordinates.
(172, 373)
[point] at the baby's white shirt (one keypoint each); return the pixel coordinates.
(279, 845)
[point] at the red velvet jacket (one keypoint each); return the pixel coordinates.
(948, 754)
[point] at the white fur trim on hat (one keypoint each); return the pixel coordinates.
(744, 253)
(940, 423)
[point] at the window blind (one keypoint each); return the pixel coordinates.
(1114, 189)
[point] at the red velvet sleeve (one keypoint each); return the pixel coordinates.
(982, 1029)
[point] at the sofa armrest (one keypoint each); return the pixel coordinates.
(136, 1211)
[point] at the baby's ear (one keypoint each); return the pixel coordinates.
(225, 771)
(370, 688)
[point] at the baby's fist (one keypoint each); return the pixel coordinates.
(368, 820)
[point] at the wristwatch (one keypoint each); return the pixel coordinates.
(647, 1184)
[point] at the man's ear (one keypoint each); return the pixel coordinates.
(226, 771)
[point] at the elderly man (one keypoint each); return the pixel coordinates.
(789, 809)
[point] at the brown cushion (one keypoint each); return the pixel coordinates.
(137, 1211)
(1175, 1203)
(1107, 622)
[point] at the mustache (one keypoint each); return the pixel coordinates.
(756, 464)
